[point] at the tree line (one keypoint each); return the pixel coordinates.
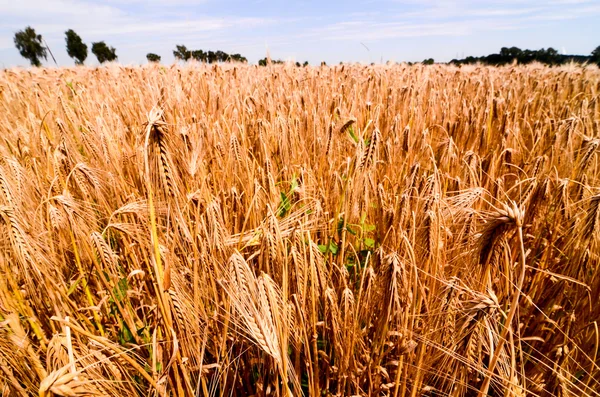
(265, 62)
(183, 54)
(32, 47)
(548, 56)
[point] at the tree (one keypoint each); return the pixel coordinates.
(199, 55)
(152, 57)
(103, 52)
(211, 56)
(528, 56)
(182, 53)
(221, 56)
(265, 62)
(76, 48)
(428, 61)
(238, 58)
(30, 45)
(508, 55)
(596, 55)
(549, 56)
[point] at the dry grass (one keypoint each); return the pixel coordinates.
(233, 230)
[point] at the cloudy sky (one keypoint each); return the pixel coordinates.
(313, 30)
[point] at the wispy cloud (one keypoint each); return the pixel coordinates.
(307, 28)
(94, 20)
(452, 18)
(373, 30)
(66, 10)
(132, 28)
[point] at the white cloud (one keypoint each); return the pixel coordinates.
(114, 25)
(137, 26)
(164, 3)
(373, 31)
(48, 9)
(453, 18)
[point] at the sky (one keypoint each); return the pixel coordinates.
(305, 30)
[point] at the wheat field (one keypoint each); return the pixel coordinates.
(230, 230)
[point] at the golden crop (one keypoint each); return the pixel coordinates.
(349, 230)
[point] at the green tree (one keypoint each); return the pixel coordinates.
(508, 55)
(550, 56)
(76, 48)
(265, 62)
(596, 55)
(211, 56)
(103, 52)
(238, 58)
(221, 56)
(152, 57)
(428, 61)
(182, 53)
(199, 55)
(30, 45)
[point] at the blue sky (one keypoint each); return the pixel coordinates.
(331, 31)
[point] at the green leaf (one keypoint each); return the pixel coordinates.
(144, 333)
(284, 205)
(125, 335)
(352, 134)
(362, 219)
(333, 248)
(340, 225)
(294, 184)
(73, 286)
(369, 228)
(369, 242)
(121, 288)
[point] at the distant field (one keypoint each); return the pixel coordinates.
(329, 231)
